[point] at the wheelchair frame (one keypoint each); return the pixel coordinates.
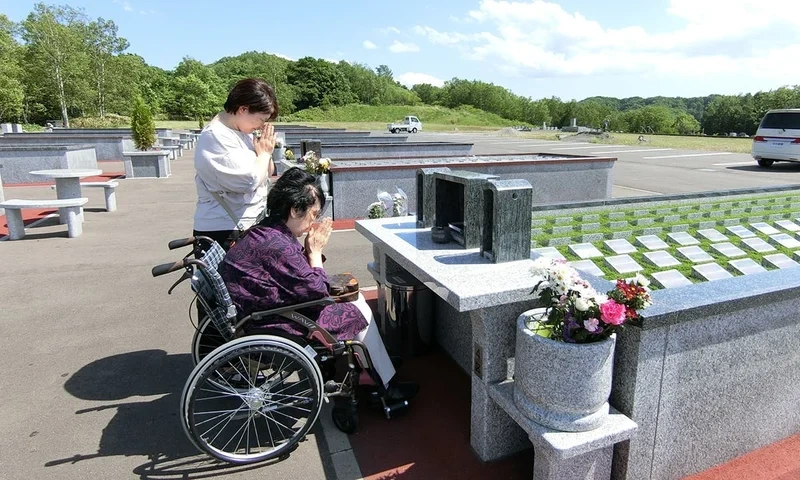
(247, 389)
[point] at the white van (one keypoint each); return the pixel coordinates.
(778, 137)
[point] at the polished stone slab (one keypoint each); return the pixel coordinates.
(549, 252)
(651, 242)
(683, 238)
(765, 228)
(746, 266)
(623, 264)
(740, 231)
(788, 225)
(695, 254)
(585, 250)
(758, 245)
(587, 266)
(670, 279)
(661, 259)
(779, 260)
(785, 240)
(712, 235)
(728, 249)
(620, 246)
(710, 272)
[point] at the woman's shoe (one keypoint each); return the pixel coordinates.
(400, 391)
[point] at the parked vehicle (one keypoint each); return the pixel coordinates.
(411, 124)
(778, 137)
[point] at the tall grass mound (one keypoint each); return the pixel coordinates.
(109, 121)
(464, 115)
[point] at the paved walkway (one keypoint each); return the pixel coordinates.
(95, 354)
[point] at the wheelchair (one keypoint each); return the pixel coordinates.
(255, 390)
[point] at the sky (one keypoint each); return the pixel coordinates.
(571, 49)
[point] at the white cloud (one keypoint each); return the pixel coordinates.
(280, 55)
(125, 5)
(410, 79)
(369, 45)
(388, 30)
(400, 47)
(540, 38)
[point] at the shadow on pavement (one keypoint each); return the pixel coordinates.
(149, 428)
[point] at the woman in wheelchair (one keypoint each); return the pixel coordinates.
(268, 268)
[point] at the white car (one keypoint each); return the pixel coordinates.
(778, 137)
(411, 124)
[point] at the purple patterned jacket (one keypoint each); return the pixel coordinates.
(267, 269)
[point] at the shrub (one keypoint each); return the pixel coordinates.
(142, 125)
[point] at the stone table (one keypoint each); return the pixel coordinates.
(478, 303)
(68, 183)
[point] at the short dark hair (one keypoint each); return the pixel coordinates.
(296, 189)
(255, 94)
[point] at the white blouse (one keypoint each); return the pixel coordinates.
(224, 162)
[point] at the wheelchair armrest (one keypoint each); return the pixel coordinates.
(289, 308)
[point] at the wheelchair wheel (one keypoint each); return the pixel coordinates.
(252, 399)
(206, 339)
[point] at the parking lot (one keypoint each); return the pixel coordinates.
(643, 170)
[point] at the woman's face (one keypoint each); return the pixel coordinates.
(247, 122)
(300, 223)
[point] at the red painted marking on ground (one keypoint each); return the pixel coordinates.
(103, 177)
(778, 461)
(29, 215)
(347, 224)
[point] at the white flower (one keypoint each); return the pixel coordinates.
(641, 280)
(581, 304)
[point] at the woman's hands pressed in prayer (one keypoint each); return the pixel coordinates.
(316, 240)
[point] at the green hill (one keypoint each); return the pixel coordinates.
(465, 116)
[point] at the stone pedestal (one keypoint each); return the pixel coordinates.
(459, 205)
(506, 220)
(147, 164)
(426, 195)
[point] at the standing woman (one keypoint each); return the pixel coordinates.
(232, 167)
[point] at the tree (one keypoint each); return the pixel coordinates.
(384, 71)
(55, 39)
(12, 93)
(193, 98)
(143, 128)
(318, 83)
(103, 44)
(428, 93)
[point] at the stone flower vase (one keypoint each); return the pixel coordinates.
(563, 386)
(324, 181)
(278, 154)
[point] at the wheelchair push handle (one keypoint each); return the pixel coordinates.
(181, 242)
(165, 268)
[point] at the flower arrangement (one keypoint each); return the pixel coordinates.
(575, 312)
(289, 154)
(315, 165)
(376, 210)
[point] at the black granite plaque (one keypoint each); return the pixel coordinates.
(507, 206)
(426, 196)
(309, 145)
(459, 205)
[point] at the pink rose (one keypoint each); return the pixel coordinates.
(612, 312)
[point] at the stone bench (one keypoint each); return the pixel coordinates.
(174, 150)
(109, 189)
(70, 207)
(574, 455)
